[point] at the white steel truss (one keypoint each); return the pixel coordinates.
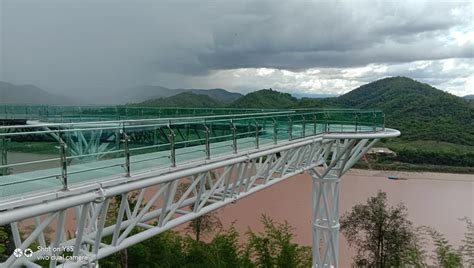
(96, 224)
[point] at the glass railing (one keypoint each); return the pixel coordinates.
(59, 155)
(65, 113)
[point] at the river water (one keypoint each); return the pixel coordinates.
(433, 199)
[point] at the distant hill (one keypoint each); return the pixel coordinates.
(469, 97)
(144, 93)
(28, 94)
(418, 110)
(265, 98)
(218, 94)
(185, 99)
(312, 95)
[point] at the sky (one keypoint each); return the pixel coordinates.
(83, 47)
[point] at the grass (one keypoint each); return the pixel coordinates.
(33, 147)
(400, 166)
(424, 156)
(420, 145)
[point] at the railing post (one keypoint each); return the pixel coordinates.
(117, 139)
(256, 134)
(126, 149)
(63, 163)
(155, 135)
(275, 131)
(383, 124)
(290, 128)
(208, 146)
(326, 125)
(315, 125)
(356, 121)
(172, 148)
(374, 128)
(234, 136)
(4, 157)
(304, 125)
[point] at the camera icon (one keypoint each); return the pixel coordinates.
(28, 253)
(18, 252)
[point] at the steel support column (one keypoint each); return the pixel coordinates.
(325, 221)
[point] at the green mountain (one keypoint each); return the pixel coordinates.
(28, 94)
(418, 110)
(185, 99)
(265, 98)
(218, 94)
(144, 93)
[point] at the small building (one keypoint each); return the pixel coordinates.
(382, 151)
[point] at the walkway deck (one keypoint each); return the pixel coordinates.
(95, 152)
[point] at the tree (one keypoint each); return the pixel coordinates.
(3, 244)
(274, 247)
(204, 225)
(467, 248)
(444, 253)
(382, 235)
(6, 242)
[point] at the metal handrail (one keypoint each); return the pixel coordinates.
(279, 126)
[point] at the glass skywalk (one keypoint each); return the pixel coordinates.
(44, 154)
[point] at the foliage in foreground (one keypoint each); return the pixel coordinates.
(272, 248)
(383, 237)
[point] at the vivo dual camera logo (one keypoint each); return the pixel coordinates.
(19, 253)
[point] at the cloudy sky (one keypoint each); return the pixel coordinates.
(80, 47)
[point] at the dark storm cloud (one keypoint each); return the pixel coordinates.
(300, 35)
(86, 47)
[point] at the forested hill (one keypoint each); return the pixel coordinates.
(419, 110)
(185, 99)
(265, 98)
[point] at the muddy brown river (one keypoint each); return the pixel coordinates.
(433, 199)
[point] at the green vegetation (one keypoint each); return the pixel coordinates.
(424, 156)
(265, 98)
(185, 99)
(444, 254)
(437, 127)
(42, 147)
(383, 237)
(271, 248)
(467, 249)
(419, 111)
(431, 152)
(400, 166)
(6, 243)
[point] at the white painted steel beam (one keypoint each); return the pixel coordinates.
(133, 209)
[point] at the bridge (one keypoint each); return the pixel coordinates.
(95, 180)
